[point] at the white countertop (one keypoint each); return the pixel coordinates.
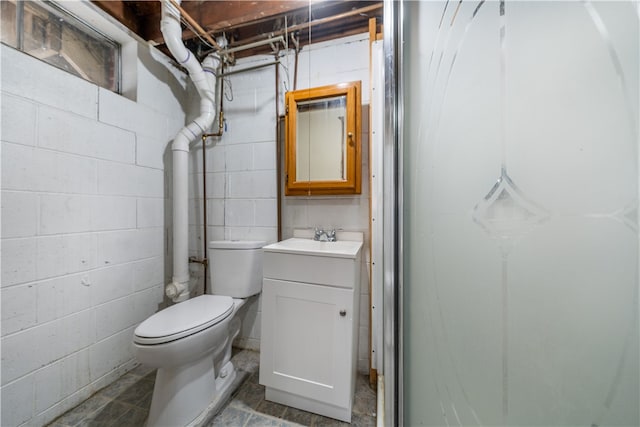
(295, 245)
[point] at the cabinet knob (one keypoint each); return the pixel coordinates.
(343, 313)
(350, 136)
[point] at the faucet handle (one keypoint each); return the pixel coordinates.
(331, 235)
(317, 233)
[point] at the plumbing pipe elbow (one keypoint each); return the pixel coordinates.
(207, 115)
(174, 289)
(181, 141)
(177, 291)
(169, 9)
(211, 62)
(172, 33)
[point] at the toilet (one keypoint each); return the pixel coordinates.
(190, 342)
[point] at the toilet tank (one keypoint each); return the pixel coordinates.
(235, 267)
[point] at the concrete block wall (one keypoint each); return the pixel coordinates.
(250, 180)
(241, 176)
(327, 63)
(84, 229)
(86, 212)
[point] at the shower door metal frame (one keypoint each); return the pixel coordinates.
(392, 211)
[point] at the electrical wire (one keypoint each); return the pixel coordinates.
(197, 33)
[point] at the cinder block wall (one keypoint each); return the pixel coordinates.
(86, 212)
(338, 61)
(84, 228)
(242, 180)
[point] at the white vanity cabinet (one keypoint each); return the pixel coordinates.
(308, 347)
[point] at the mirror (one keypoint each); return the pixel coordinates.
(323, 152)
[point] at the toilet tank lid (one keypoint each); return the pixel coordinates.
(236, 244)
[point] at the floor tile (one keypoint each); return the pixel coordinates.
(298, 416)
(145, 402)
(90, 422)
(83, 411)
(111, 412)
(231, 416)
(126, 402)
(134, 417)
(361, 420)
(365, 403)
(320, 421)
(271, 408)
(135, 393)
(246, 361)
(254, 378)
(249, 397)
(264, 421)
(114, 390)
(143, 371)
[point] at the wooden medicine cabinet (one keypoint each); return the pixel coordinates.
(323, 150)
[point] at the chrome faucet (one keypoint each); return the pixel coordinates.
(324, 236)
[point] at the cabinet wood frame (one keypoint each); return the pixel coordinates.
(353, 183)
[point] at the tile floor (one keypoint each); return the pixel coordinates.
(125, 403)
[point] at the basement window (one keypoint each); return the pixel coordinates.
(47, 32)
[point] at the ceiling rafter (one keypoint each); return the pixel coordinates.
(242, 20)
(123, 12)
(216, 16)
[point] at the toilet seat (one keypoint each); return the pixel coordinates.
(183, 319)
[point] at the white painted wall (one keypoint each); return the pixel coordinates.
(83, 227)
(328, 63)
(86, 217)
(242, 181)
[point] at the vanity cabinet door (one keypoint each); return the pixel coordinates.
(307, 337)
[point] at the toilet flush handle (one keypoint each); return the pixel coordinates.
(343, 313)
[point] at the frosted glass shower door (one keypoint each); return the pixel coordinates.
(520, 223)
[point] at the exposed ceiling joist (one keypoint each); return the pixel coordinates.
(216, 16)
(243, 20)
(123, 12)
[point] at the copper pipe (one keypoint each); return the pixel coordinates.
(204, 217)
(193, 23)
(314, 23)
(255, 67)
(295, 64)
(221, 110)
(258, 43)
(278, 152)
(205, 260)
(332, 18)
(220, 127)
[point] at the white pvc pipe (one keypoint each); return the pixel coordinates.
(178, 289)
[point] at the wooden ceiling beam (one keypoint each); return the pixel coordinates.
(216, 16)
(244, 20)
(122, 12)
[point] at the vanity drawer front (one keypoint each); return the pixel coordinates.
(321, 270)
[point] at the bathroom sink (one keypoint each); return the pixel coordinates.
(295, 245)
(310, 261)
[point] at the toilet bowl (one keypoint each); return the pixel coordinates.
(190, 342)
